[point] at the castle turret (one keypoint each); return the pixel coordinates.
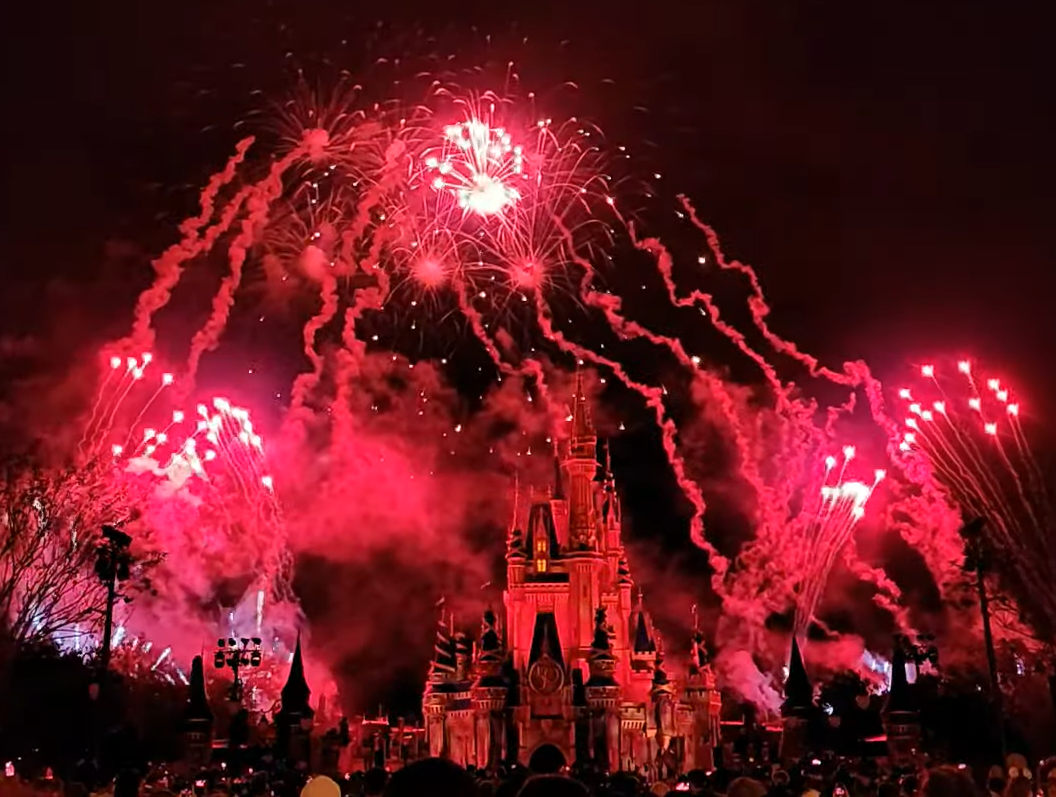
(294, 718)
(197, 721)
(797, 709)
(705, 702)
(581, 465)
(901, 715)
(438, 688)
(642, 653)
(490, 692)
(662, 697)
(603, 696)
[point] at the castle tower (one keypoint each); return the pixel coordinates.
(197, 721)
(580, 654)
(702, 695)
(662, 697)
(901, 716)
(490, 692)
(603, 697)
(438, 690)
(458, 719)
(294, 718)
(642, 653)
(797, 709)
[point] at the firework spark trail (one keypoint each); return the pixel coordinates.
(664, 265)
(133, 373)
(306, 382)
(115, 363)
(476, 323)
(389, 178)
(166, 380)
(258, 204)
(168, 267)
(827, 534)
(961, 439)
(654, 400)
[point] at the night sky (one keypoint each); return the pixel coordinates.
(888, 168)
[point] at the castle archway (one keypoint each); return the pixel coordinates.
(546, 760)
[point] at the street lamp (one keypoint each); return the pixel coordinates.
(113, 563)
(234, 654)
(976, 561)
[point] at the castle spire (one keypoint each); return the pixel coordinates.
(295, 693)
(643, 641)
(443, 664)
(581, 467)
(516, 500)
(489, 662)
(602, 662)
(197, 703)
(582, 426)
(799, 695)
(559, 482)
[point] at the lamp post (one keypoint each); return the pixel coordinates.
(976, 561)
(112, 564)
(234, 654)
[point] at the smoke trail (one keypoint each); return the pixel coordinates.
(306, 382)
(888, 594)
(654, 400)
(259, 203)
(665, 266)
(168, 267)
(759, 307)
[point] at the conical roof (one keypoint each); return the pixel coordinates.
(295, 693)
(541, 524)
(443, 665)
(799, 694)
(643, 641)
(197, 703)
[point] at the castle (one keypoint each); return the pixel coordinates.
(575, 673)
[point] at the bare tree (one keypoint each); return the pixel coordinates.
(49, 526)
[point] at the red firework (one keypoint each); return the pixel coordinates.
(963, 429)
(826, 530)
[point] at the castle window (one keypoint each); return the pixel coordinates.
(540, 545)
(540, 565)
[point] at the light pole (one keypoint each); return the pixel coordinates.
(975, 560)
(234, 654)
(112, 564)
